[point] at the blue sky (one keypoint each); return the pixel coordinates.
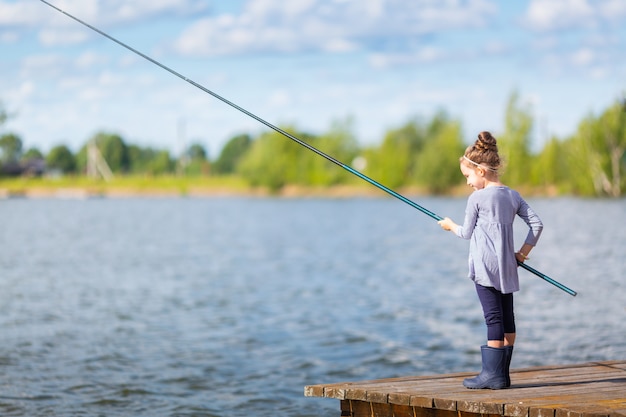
(306, 63)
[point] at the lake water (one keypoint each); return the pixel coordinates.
(230, 306)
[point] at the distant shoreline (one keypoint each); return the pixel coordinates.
(172, 186)
(198, 192)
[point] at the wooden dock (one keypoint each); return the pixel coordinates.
(595, 389)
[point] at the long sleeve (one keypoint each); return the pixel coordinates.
(533, 221)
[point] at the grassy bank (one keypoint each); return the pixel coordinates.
(81, 186)
(164, 186)
(160, 186)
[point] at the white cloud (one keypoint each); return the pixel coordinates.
(583, 57)
(89, 60)
(552, 15)
(577, 36)
(62, 36)
(339, 45)
(36, 66)
(496, 47)
(427, 54)
(9, 37)
(612, 9)
(323, 25)
(112, 12)
(56, 29)
(21, 93)
(280, 99)
(558, 14)
(16, 14)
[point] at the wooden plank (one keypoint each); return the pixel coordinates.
(581, 411)
(346, 408)
(431, 412)
(595, 389)
(381, 410)
(402, 410)
(319, 388)
(314, 391)
(336, 392)
(601, 394)
(361, 409)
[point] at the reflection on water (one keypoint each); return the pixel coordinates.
(215, 307)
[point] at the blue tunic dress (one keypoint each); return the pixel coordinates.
(488, 224)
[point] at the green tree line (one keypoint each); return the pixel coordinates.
(422, 152)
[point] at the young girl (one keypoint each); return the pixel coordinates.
(489, 216)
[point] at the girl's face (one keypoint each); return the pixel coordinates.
(475, 176)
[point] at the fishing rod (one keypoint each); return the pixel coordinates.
(293, 138)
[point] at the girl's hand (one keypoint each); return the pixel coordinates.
(520, 257)
(447, 224)
(522, 254)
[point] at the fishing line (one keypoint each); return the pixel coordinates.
(290, 136)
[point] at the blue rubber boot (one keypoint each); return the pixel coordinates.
(492, 375)
(507, 364)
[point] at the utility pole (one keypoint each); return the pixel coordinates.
(96, 164)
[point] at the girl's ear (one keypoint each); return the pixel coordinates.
(481, 171)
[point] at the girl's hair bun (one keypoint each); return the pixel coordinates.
(486, 142)
(484, 152)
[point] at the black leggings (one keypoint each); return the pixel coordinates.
(498, 311)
